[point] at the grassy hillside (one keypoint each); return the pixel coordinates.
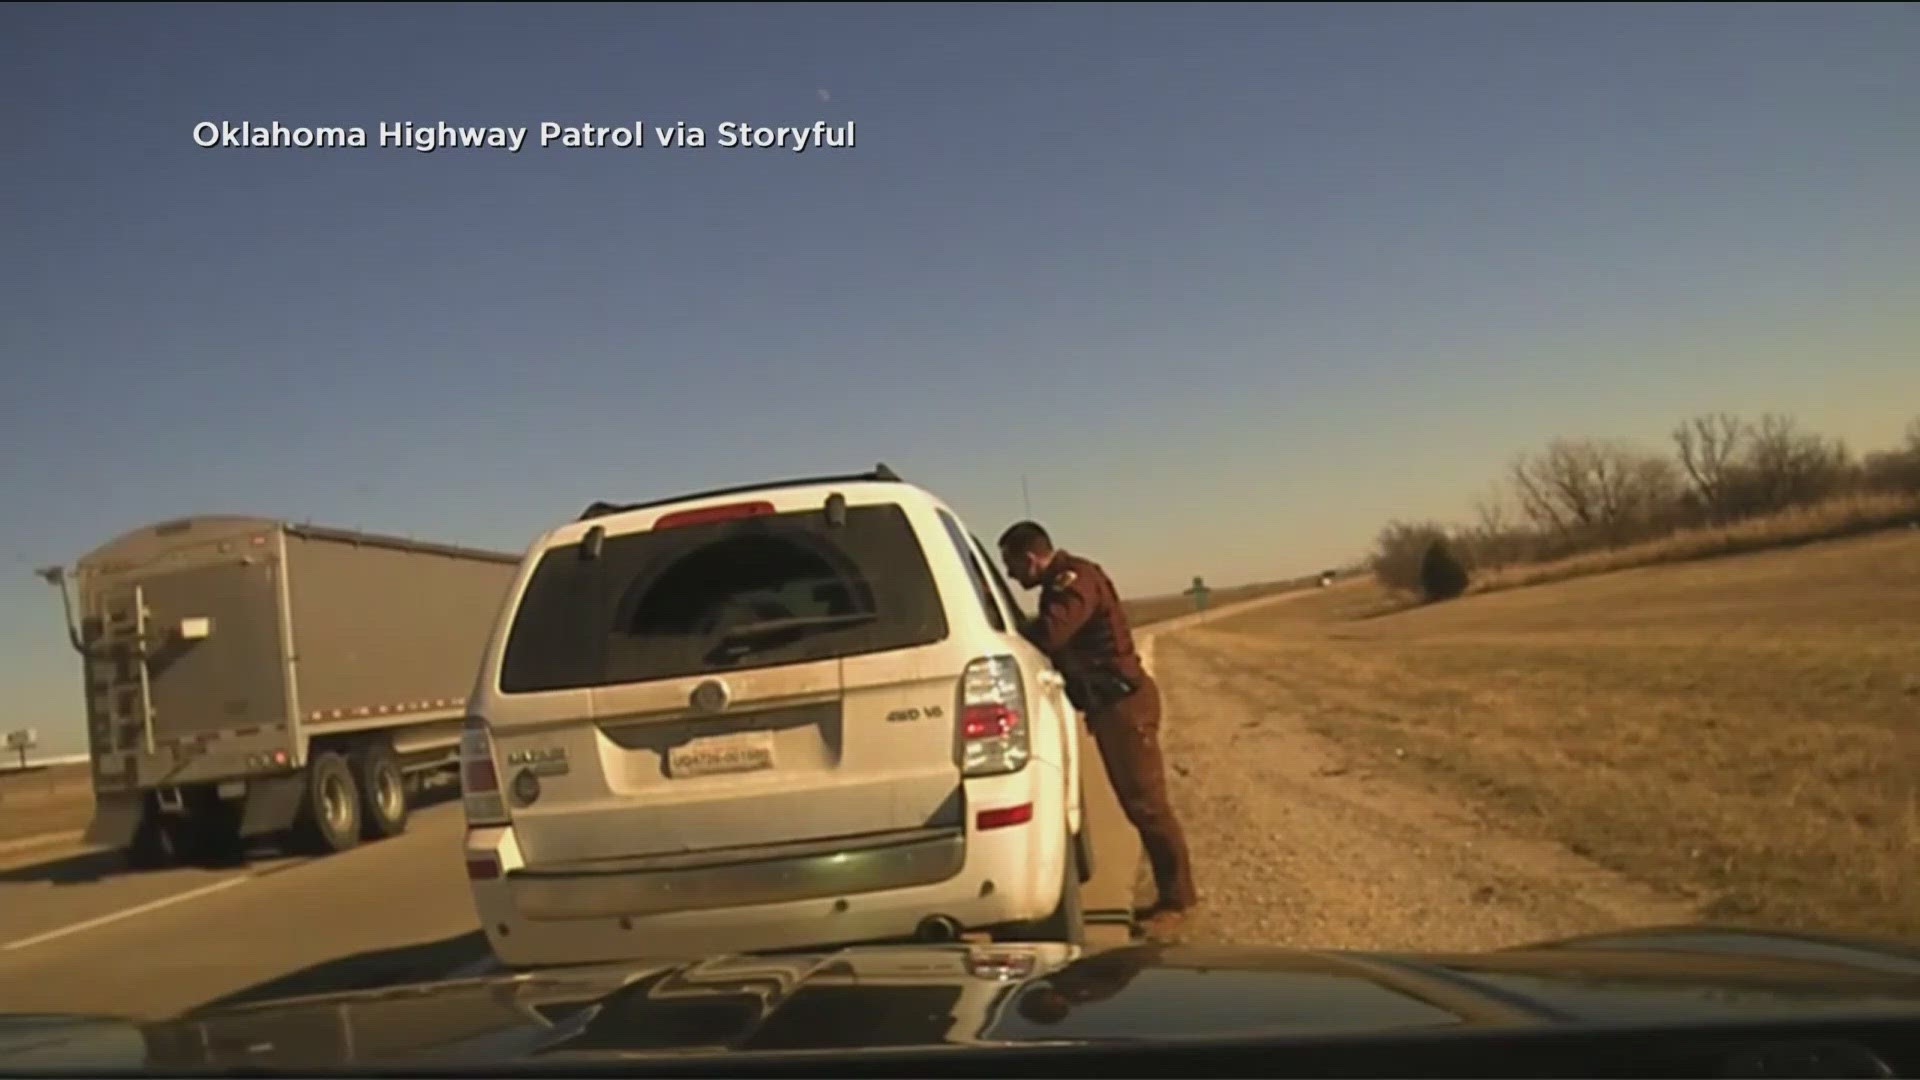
(1744, 730)
(1149, 609)
(1846, 516)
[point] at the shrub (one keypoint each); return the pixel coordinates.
(1397, 553)
(1442, 575)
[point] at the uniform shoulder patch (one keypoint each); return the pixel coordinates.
(1064, 579)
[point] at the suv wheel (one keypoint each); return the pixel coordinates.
(1083, 844)
(1068, 922)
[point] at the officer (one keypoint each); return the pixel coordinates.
(1083, 630)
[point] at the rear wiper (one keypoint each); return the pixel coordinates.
(770, 633)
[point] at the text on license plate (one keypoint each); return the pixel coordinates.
(741, 751)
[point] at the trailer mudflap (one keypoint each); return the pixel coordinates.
(272, 804)
(116, 818)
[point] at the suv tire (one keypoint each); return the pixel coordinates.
(1068, 922)
(1083, 842)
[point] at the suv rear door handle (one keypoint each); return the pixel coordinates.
(1052, 678)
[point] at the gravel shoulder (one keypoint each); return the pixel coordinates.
(1299, 842)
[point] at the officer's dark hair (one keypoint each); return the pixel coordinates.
(1025, 538)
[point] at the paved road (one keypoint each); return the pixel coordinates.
(76, 935)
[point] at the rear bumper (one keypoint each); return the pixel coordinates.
(861, 869)
(978, 878)
(267, 804)
(245, 754)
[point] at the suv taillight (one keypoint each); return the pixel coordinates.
(479, 782)
(993, 718)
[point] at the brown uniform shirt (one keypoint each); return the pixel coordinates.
(1081, 625)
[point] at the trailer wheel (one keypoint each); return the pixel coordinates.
(155, 845)
(383, 791)
(209, 834)
(330, 814)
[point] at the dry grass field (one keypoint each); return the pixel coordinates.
(1740, 733)
(54, 799)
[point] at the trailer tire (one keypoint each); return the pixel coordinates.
(383, 791)
(155, 845)
(209, 834)
(330, 814)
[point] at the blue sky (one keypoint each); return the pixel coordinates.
(1230, 285)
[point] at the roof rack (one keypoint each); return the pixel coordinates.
(879, 474)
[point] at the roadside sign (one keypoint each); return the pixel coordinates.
(1199, 592)
(22, 740)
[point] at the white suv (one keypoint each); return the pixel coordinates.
(783, 716)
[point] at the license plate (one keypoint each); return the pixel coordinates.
(742, 751)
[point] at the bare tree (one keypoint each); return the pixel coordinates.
(1650, 495)
(1544, 496)
(1594, 487)
(1494, 513)
(1892, 470)
(1898, 469)
(1789, 467)
(1709, 452)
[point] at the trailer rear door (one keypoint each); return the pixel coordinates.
(190, 654)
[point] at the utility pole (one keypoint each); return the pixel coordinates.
(1025, 499)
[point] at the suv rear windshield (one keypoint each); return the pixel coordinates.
(755, 592)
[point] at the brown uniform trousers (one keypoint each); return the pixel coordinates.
(1128, 734)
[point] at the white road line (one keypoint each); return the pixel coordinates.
(138, 909)
(42, 840)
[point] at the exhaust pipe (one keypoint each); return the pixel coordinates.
(938, 929)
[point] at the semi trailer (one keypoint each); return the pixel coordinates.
(251, 679)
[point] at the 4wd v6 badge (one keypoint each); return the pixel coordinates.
(546, 761)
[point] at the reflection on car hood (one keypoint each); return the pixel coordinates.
(986, 995)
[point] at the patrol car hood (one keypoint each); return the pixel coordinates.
(962, 996)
